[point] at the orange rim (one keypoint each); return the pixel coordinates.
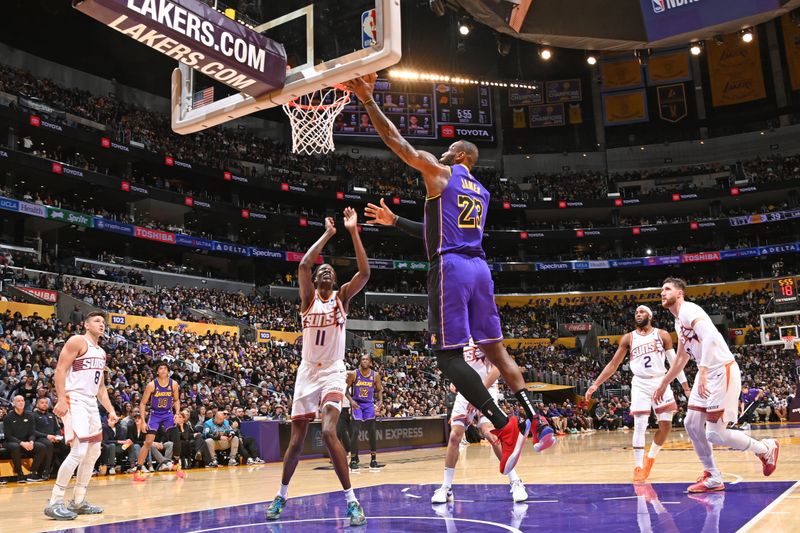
(337, 86)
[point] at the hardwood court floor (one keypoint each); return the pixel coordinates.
(578, 460)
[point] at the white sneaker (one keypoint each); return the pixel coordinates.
(233, 462)
(442, 495)
(163, 467)
(150, 468)
(112, 471)
(250, 461)
(518, 492)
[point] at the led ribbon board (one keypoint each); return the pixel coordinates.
(198, 36)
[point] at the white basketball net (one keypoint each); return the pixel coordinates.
(312, 116)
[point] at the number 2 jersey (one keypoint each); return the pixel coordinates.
(324, 330)
(647, 355)
(85, 376)
(454, 220)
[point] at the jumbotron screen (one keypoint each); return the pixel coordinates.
(665, 18)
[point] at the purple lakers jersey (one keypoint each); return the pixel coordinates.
(162, 397)
(364, 387)
(454, 220)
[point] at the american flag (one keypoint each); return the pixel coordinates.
(204, 97)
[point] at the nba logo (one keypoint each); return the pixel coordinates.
(117, 319)
(658, 6)
(369, 33)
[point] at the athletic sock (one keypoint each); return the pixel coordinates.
(449, 474)
(513, 477)
(638, 456)
(525, 401)
(283, 492)
(350, 495)
(654, 449)
(58, 494)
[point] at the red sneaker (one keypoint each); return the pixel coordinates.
(139, 476)
(770, 459)
(511, 438)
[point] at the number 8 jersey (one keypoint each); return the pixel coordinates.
(647, 354)
(324, 330)
(85, 376)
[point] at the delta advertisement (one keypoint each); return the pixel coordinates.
(120, 321)
(199, 36)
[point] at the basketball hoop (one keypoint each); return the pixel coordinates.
(312, 116)
(789, 342)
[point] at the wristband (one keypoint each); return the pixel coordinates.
(370, 101)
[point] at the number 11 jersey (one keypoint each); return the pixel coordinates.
(324, 334)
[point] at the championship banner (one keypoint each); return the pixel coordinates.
(519, 96)
(625, 108)
(120, 321)
(735, 71)
(27, 310)
(671, 67)
(620, 74)
(672, 102)
(546, 116)
(43, 294)
(564, 91)
(199, 36)
(289, 337)
(575, 114)
(636, 295)
(791, 43)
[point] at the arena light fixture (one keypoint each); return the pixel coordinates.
(747, 35)
(546, 54)
(464, 27)
(416, 76)
(696, 49)
(591, 59)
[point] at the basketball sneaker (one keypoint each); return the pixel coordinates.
(647, 466)
(443, 494)
(276, 508)
(84, 508)
(59, 511)
(542, 434)
(374, 464)
(138, 475)
(354, 464)
(707, 483)
(356, 514)
(769, 460)
(511, 438)
(518, 491)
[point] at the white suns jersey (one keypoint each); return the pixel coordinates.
(720, 354)
(85, 376)
(475, 358)
(324, 330)
(647, 354)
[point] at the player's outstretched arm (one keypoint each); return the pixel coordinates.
(611, 367)
(307, 263)
(384, 216)
(435, 174)
(71, 350)
(354, 286)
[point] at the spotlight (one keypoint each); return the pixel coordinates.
(592, 60)
(464, 27)
(546, 53)
(696, 49)
(747, 35)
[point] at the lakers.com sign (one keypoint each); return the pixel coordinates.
(197, 35)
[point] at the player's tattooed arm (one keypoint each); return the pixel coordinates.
(435, 174)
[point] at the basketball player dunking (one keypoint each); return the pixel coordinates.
(714, 401)
(460, 287)
(80, 383)
(648, 347)
(321, 376)
(165, 406)
(366, 384)
(462, 416)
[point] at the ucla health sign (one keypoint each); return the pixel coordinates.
(665, 18)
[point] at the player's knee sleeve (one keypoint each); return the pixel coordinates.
(93, 452)
(715, 432)
(639, 430)
(694, 424)
(445, 357)
(79, 450)
(463, 376)
(665, 416)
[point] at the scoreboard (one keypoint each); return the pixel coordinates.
(784, 290)
(424, 111)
